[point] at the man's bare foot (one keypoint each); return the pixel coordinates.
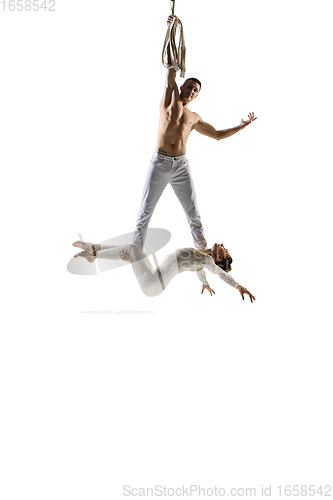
(124, 255)
(90, 258)
(90, 248)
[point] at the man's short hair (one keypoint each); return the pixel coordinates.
(195, 80)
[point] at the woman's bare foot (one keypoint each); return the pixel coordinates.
(90, 258)
(90, 248)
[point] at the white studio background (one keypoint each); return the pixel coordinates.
(102, 386)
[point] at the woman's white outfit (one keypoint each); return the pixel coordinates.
(154, 281)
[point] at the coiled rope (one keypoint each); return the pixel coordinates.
(177, 56)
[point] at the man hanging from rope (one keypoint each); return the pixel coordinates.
(169, 163)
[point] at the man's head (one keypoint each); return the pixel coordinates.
(190, 90)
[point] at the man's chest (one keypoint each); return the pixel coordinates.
(180, 117)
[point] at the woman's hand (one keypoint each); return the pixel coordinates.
(211, 291)
(242, 290)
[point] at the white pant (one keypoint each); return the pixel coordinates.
(152, 281)
(165, 169)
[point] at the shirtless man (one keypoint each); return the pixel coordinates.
(169, 163)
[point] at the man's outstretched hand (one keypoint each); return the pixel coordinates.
(242, 290)
(245, 123)
(211, 291)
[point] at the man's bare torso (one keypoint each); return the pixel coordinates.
(175, 124)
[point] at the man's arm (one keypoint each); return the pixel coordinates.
(207, 129)
(170, 82)
(170, 87)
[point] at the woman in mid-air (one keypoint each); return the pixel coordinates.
(153, 281)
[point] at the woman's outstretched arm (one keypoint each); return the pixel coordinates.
(228, 279)
(205, 285)
(242, 290)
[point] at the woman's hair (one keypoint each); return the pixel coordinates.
(225, 264)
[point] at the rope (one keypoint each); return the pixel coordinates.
(177, 56)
